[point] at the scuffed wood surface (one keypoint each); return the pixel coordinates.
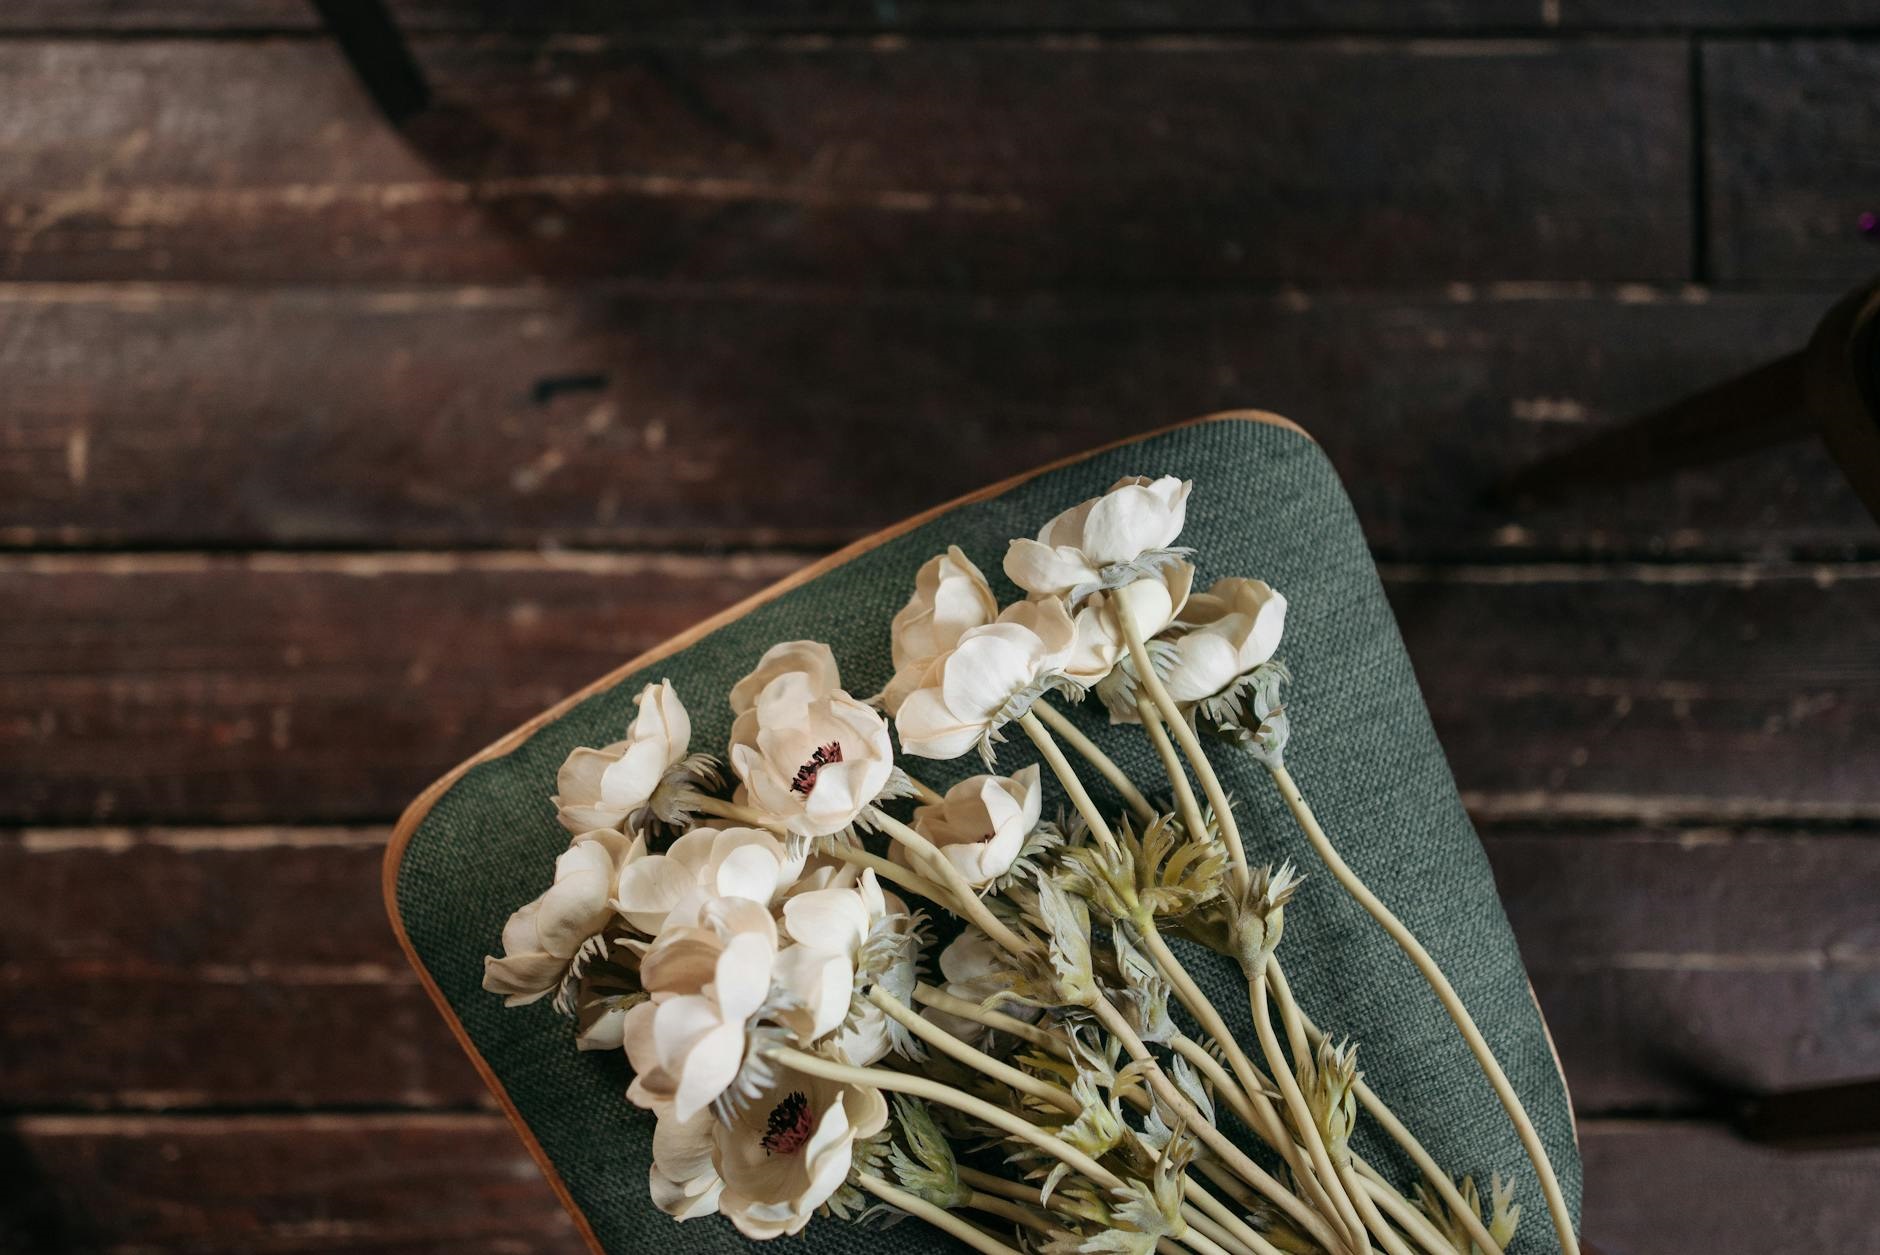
(411, 1183)
(242, 318)
(635, 416)
(1677, 970)
(858, 164)
(1791, 168)
(332, 688)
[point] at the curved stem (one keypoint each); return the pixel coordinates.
(1303, 1121)
(968, 900)
(1246, 1072)
(1408, 1218)
(1197, 1221)
(947, 1044)
(941, 1000)
(749, 817)
(986, 1182)
(1400, 1133)
(933, 1091)
(938, 1217)
(1446, 993)
(1017, 1213)
(1379, 1227)
(1073, 736)
(1184, 737)
(1067, 776)
(1185, 801)
(1230, 1092)
(1242, 1233)
(1252, 1173)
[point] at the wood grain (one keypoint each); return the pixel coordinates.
(331, 688)
(707, 16)
(409, 1183)
(264, 688)
(704, 17)
(855, 163)
(599, 416)
(1671, 692)
(1677, 970)
(389, 1184)
(1790, 168)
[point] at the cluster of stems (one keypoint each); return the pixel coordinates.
(1321, 1195)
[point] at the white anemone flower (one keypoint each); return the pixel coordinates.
(973, 967)
(831, 929)
(705, 981)
(772, 1165)
(810, 758)
(990, 678)
(981, 824)
(1156, 600)
(950, 598)
(808, 658)
(541, 938)
(601, 788)
(1228, 631)
(683, 1181)
(704, 863)
(1103, 542)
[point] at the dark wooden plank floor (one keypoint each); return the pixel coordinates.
(302, 415)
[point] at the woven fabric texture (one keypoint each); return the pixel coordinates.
(1267, 504)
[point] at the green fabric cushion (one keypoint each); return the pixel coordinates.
(1267, 504)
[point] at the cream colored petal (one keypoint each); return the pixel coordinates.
(710, 1066)
(649, 888)
(929, 729)
(823, 980)
(742, 979)
(827, 919)
(1047, 571)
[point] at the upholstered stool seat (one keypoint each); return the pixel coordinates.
(1267, 504)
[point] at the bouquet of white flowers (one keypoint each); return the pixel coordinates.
(763, 953)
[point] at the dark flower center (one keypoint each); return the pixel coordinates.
(790, 1125)
(805, 778)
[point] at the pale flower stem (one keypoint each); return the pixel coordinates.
(1303, 1121)
(1200, 1243)
(1294, 1023)
(947, 1096)
(1231, 1227)
(1252, 1173)
(968, 901)
(1017, 1213)
(1067, 776)
(887, 869)
(1172, 767)
(981, 1062)
(1198, 1221)
(1185, 737)
(1304, 1167)
(745, 815)
(1224, 1085)
(1446, 993)
(1106, 767)
(1408, 1218)
(938, 1217)
(986, 1182)
(1380, 1228)
(941, 1000)
(1380, 1111)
